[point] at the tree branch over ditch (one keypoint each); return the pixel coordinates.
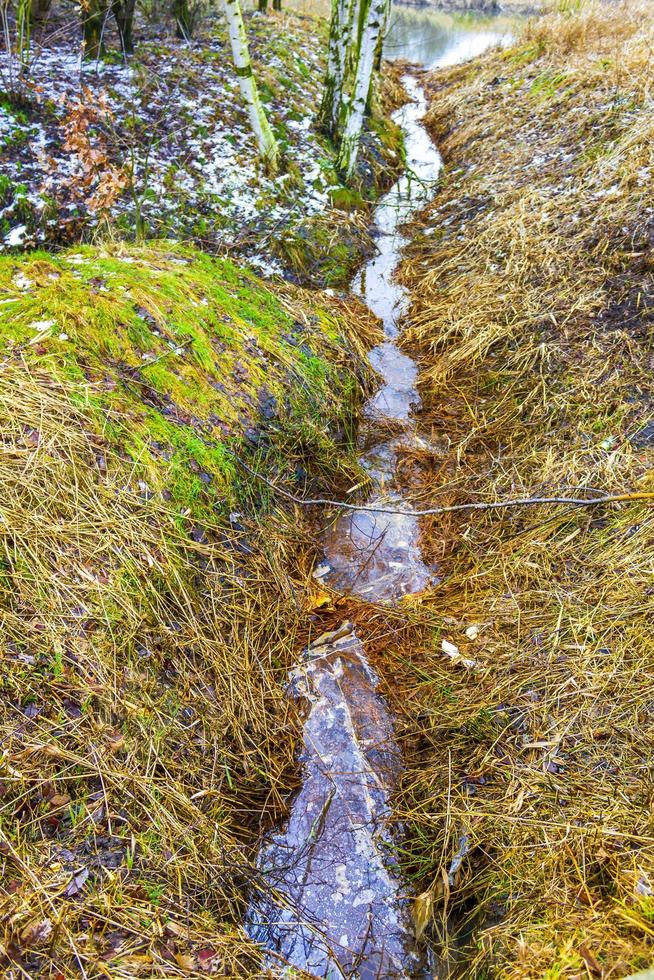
(614, 498)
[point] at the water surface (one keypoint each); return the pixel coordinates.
(430, 37)
(437, 38)
(373, 555)
(332, 906)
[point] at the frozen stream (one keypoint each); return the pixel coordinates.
(335, 905)
(376, 556)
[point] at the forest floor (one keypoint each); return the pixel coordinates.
(532, 279)
(160, 145)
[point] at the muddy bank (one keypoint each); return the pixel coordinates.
(533, 287)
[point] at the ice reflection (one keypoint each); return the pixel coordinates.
(337, 907)
(377, 556)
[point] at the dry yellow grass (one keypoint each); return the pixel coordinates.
(533, 286)
(147, 632)
(119, 747)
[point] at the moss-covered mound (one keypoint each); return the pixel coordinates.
(148, 617)
(175, 354)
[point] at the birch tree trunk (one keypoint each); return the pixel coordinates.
(371, 21)
(379, 52)
(268, 150)
(123, 11)
(340, 33)
(357, 16)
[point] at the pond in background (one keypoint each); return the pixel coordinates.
(438, 38)
(429, 36)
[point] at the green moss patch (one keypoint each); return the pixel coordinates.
(178, 354)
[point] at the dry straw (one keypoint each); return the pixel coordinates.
(532, 284)
(145, 734)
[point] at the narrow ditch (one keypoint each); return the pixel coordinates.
(335, 904)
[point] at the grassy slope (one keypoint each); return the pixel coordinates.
(148, 619)
(533, 285)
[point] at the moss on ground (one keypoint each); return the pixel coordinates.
(175, 353)
(148, 615)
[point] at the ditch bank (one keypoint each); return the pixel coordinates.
(526, 797)
(149, 614)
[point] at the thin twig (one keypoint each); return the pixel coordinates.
(177, 349)
(452, 508)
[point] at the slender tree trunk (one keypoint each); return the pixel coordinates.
(351, 54)
(268, 150)
(370, 26)
(263, 6)
(39, 10)
(183, 19)
(379, 55)
(24, 34)
(123, 11)
(93, 17)
(277, 4)
(340, 32)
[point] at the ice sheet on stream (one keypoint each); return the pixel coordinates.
(333, 901)
(338, 905)
(376, 556)
(375, 283)
(398, 394)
